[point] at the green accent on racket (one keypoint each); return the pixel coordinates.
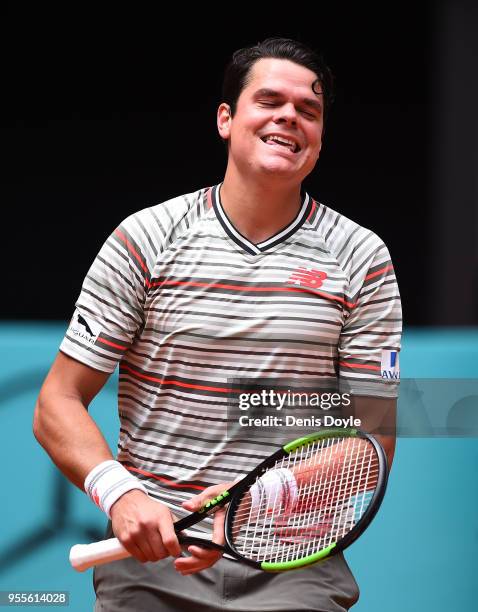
(329, 433)
(213, 502)
(297, 564)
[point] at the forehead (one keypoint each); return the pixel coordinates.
(278, 75)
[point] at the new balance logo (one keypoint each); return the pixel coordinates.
(305, 277)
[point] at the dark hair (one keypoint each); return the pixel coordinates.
(237, 73)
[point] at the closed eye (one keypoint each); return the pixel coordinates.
(308, 114)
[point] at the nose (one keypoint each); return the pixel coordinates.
(286, 114)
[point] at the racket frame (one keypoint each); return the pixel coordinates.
(238, 490)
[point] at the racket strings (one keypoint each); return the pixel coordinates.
(335, 480)
(307, 500)
(322, 490)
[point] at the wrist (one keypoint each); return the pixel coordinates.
(108, 482)
(130, 497)
(276, 488)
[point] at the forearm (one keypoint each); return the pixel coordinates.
(69, 435)
(326, 464)
(388, 444)
(378, 417)
(66, 431)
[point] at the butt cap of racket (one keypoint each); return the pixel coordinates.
(84, 556)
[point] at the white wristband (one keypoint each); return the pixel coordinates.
(107, 482)
(276, 488)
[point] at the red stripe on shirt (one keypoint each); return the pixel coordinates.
(118, 346)
(379, 272)
(314, 206)
(359, 366)
(134, 252)
(250, 288)
(164, 381)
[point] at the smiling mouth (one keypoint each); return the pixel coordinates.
(284, 142)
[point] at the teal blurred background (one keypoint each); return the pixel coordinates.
(419, 554)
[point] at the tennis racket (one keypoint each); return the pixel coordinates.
(309, 500)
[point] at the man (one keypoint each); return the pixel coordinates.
(251, 279)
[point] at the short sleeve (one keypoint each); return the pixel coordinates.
(109, 311)
(369, 344)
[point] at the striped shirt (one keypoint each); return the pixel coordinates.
(185, 304)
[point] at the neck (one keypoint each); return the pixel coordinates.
(259, 208)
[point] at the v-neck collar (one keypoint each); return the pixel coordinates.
(280, 236)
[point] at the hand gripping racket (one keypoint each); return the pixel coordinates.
(309, 500)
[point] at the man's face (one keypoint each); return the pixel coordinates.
(277, 127)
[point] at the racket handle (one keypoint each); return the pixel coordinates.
(84, 556)
(186, 540)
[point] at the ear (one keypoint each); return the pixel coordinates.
(224, 121)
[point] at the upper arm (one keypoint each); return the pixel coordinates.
(70, 378)
(370, 342)
(61, 422)
(370, 338)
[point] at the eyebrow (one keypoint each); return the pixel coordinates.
(271, 93)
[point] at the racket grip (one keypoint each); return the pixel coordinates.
(84, 556)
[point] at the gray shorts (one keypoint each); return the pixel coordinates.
(134, 587)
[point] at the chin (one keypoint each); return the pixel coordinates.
(277, 166)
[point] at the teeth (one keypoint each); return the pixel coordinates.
(283, 141)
